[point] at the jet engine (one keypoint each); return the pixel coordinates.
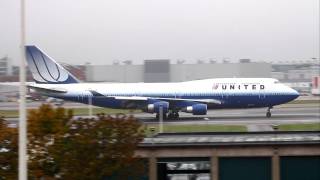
(155, 107)
(196, 109)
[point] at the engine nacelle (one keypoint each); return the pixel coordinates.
(155, 107)
(196, 109)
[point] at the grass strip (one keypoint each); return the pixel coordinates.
(76, 112)
(85, 111)
(9, 113)
(300, 127)
(196, 128)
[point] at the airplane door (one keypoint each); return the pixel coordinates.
(262, 93)
(178, 94)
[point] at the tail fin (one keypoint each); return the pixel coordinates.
(45, 70)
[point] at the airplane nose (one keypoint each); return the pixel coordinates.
(295, 94)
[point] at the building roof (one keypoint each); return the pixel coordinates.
(232, 138)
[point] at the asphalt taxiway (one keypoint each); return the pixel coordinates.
(254, 119)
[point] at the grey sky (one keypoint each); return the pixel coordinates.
(100, 31)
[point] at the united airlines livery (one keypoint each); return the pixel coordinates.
(195, 97)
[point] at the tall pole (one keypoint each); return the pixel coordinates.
(22, 101)
(160, 119)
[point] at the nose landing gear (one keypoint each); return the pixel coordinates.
(268, 114)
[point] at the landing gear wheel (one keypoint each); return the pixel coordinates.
(170, 115)
(173, 115)
(268, 114)
(176, 115)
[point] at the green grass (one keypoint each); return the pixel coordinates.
(197, 128)
(9, 113)
(76, 111)
(300, 127)
(85, 111)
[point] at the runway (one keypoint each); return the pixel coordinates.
(254, 119)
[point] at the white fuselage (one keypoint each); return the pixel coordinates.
(232, 92)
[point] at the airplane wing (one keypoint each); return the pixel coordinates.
(140, 98)
(205, 101)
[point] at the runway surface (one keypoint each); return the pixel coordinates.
(254, 119)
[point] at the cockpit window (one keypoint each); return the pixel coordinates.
(276, 82)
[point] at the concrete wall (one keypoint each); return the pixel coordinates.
(157, 70)
(178, 72)
(114, 73)
(4, 66)
(185, 72)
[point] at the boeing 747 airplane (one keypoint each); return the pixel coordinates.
(195, 97)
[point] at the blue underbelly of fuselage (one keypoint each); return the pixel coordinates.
(227, 101)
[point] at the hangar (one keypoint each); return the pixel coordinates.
(224, 156)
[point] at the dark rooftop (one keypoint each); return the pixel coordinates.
(232, 138)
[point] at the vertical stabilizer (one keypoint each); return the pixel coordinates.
(46, 70)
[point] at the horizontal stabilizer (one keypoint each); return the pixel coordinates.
(47, 90)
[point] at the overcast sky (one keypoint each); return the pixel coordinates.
(101, 31)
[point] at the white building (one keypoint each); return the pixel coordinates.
(4, 66)
(298, 75)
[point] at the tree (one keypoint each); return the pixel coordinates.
(64, 148)
(44, 125)
(94, 149)
(8, 151)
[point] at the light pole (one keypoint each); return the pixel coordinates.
(22, 101)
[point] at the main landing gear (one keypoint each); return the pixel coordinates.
(268, 114)
(173, 115)
(170, 115)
